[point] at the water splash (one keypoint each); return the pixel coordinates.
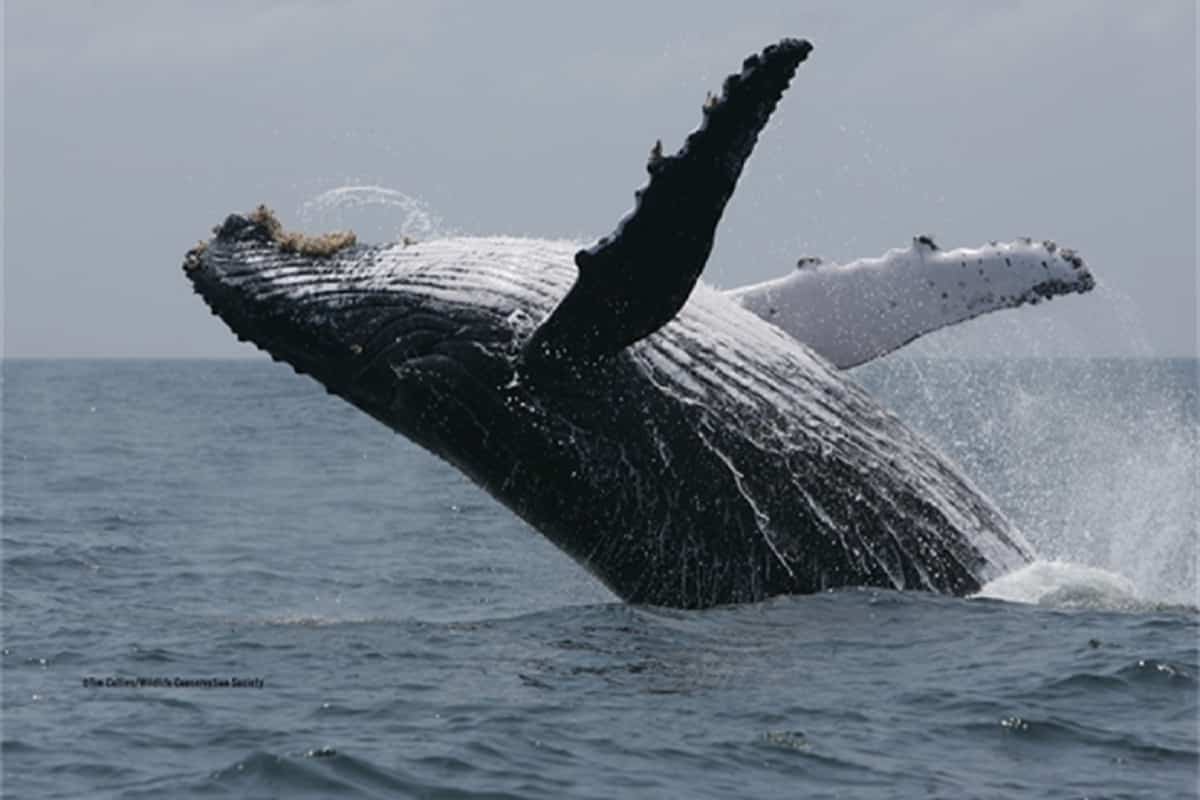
(376, 213)
(1094, 459)
(1065, 585)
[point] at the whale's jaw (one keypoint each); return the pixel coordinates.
(318, 312)
(355, 319)
(259, 290)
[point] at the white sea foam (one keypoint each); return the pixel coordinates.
(1095, 459)
(1065, 585)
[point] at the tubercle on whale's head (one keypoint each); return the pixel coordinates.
(262, 224)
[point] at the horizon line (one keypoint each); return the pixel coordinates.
(967, 357)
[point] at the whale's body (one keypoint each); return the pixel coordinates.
(713, 459)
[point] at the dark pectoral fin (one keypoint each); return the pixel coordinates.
(636, 280)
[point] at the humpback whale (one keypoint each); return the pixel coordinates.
(688, 446)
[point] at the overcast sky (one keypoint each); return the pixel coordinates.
(130, 128)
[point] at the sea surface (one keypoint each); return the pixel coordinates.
(171, 527)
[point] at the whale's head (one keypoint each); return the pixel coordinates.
(424, 346)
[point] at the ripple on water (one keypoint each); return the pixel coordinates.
(325, 771)
(1160, 673)
(1054, 734)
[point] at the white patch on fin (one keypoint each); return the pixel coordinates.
(852, 313)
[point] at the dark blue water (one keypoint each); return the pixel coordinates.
(176, 522)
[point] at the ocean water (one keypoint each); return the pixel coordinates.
(170, 527)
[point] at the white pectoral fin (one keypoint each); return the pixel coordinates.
(852, 313)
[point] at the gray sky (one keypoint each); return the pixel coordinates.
(130, 128)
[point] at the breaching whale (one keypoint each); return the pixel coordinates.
(685, 445)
